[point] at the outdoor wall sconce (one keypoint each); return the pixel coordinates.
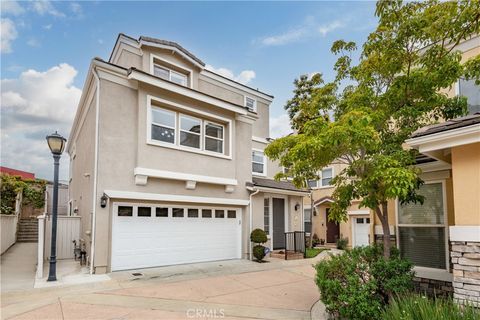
(103, 201)
(297, 206)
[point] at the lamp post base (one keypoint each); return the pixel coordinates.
(52, 274)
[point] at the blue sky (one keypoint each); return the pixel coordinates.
(47, 47)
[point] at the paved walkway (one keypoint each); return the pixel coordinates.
(236, 289)
(18, 266)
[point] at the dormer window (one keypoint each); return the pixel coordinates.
(170, 75)
(251, 104)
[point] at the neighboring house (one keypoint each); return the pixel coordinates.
(167, 162)
(15, 172)
(428, 234)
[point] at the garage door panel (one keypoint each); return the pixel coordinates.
(139, 242)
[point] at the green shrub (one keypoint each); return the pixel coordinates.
(342, 243)
(315, 240)
(259, 252)
(359, 283)
(416, 307)
(258, 236)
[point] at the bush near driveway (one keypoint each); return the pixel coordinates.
(359, 283)
(416, 307)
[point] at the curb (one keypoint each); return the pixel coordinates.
(318, 312)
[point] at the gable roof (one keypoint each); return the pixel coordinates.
(172, 44)
(448, 125)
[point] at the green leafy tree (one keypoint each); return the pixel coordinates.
(363, 117)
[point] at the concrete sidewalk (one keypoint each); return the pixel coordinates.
(18, 267)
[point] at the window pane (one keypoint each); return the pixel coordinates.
(424, 246)
(213, 145)
(163, 117)
(257, 167)
(326, 182)
(327, 173)
(178, 78)
(431, 212)
(206, 213)
(266, 215)
(144, 212)
(193, 213)
(161, 212)
(177, 212)
(190, 124)
(307, 214)
(257, 156)
(219, 214)
(163, 134)
(469, 89)
(367, 220)
(231, 214)
(312, 183)
(124, 211)
(359, 220)
(189, 139)
(161, 72)
(215, 131)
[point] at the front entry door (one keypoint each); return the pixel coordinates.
(278, 223)
(333, 229)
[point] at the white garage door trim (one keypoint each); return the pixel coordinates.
(197, 230)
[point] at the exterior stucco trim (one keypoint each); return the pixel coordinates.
(172, 175)
(465, 233)
(130, 195)
(282, 191)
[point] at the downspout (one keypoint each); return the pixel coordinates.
(255, 191)
(95, 168)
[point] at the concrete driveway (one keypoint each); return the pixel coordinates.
(237, 289)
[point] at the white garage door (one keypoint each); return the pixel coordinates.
(361, 231)
(150, 236)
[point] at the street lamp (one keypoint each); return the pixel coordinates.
(56, 143)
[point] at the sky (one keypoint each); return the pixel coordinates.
(47, 46)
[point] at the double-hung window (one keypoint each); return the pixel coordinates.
(170, 75)
(213, 137)
(163, 125)
(471, 91)
(190, 131)
(307, 218)
(258, 163)
(422, 228)
(251, 104)
(327, 176)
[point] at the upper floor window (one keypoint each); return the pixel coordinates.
(251, 104)
(258, 162)
(471, 91)
(325, 179)
(194, 133)
(170, 75)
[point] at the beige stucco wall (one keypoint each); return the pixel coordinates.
(466, 184)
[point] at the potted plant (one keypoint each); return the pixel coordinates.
(258, 236)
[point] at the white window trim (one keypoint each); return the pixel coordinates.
(150, 122)
(427, 270)
(270, 228)
(189, 72)
(319, 180)
(205, 123)
(200, 135)
(254, 103)
(176, 145)
(286, 212)
(264, 174)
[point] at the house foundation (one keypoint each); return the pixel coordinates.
(465, 257)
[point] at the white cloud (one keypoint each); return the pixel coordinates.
(47, 26)
(76, 9)
(325, 29)
(308, 29)
(12, 7)
(33, 42)
(280, 126)
(244, 76)
(46, 7)
(32, 106)
(8, 34)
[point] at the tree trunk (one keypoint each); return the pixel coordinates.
(383, 217)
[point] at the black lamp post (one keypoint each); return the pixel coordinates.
(56, 143)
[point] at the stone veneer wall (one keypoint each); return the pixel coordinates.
(433, 288)
(465, 257)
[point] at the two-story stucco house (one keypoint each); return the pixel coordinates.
(167, 163)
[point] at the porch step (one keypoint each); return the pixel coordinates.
(27, 230)
(280, 254)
